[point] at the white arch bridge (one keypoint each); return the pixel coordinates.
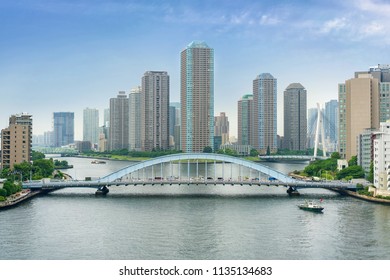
(136, 174)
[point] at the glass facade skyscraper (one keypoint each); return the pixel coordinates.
(63, 128)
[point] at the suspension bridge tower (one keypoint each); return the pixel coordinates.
(319, 130)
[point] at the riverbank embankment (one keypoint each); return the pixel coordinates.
(366, 197)
(18, 198)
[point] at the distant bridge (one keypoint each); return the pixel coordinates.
(291, 157)
(130, 175)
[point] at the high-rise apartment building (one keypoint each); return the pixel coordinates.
(295, 117)
(381, 72)
(358, 110)
(135, 116)
(91, 125)
(197, 97)
(155, 110)
(16, 141)
(221, 127)
(265, 111)
(119, 122)
(245, 120)
(63, 128)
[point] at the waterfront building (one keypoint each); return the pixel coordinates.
(221, 127)
(241, 150)
(365, 149)
(91, 125)
(265, 111)
(295, 118)
(358, 110)
(63, 128)
(245, 121)
(135, 116)
(16, 141)
(155, 110)
(83, 146)
(331, 125)
(197, 97)
(382, 159)
(119, 122)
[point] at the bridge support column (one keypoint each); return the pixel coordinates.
(292, 191)
(102, 191)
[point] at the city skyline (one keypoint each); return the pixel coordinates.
(66, 56)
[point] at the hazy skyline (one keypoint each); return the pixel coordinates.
(62, 55)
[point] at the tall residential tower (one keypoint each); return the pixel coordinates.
(91, 125)
(135, 116)
(197, 97)
(119, 122)
(155, 113)
(245, 119)
(265, 111)
(295, 117)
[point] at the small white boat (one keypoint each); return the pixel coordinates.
(98, 162)
(310, 206)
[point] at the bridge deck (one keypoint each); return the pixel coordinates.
(97, 184)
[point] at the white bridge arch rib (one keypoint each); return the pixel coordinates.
(194, 156)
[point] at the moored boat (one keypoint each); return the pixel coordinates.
(98, 162)
(310, 206)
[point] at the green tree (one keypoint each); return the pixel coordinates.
(254, 153)
(11, 188)
(23, 169)
(37, 155)
(3, 192)
(43, 168)
(207, 149)
(335, 155)
(268, 151)
(354, 171)
(353, 161)
(5, 172)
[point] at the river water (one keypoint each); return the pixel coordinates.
(192, 222)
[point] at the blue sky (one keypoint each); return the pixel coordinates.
(66, 55)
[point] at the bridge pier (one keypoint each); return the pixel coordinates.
(293, 191)
(102, 191)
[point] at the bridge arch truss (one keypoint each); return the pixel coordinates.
(191, 157)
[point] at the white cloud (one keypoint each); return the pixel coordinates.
(334, 25)
(373, 6)
(373, 28)
(269, 20)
